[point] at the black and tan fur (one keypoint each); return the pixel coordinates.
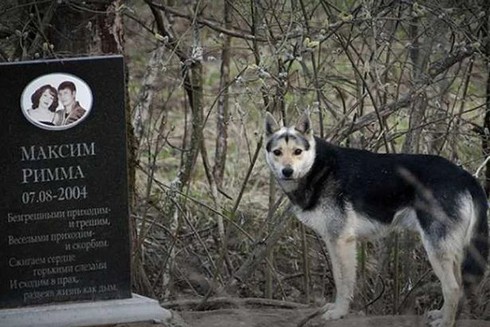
(346, 194)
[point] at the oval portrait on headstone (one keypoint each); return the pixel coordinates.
(56, 101)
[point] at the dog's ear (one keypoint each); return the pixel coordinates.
(304, 124)
(271, 125)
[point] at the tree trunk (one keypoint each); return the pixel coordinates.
(405, 242)
(72, 31)
(223, 102)
(486, 120)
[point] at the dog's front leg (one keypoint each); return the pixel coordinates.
(342, 252)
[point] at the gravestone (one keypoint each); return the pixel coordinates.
(64, 220)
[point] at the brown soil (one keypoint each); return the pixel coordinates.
(291, 318)
(259, 317)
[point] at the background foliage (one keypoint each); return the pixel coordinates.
(207, 219)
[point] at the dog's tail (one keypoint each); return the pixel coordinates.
(476, 252)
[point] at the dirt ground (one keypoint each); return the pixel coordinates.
(258, 317)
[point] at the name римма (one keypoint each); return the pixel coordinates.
(30, 175)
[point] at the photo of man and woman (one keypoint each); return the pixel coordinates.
(56, 101)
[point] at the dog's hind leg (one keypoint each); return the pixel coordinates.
(448, 269)
(342, 253)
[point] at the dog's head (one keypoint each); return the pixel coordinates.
(290, 151)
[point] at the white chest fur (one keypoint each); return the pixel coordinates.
(329, 220)
(325, 220)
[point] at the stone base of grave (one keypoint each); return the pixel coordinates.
(77, 314)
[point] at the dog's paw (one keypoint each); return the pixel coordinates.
(434, 318)
(434, 315)
(334, 313)
(438, 323)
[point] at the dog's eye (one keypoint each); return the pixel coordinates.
(277, 152)
(297, 152)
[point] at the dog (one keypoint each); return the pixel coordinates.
(347, 194)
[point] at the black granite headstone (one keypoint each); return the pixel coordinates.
(63, 182)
